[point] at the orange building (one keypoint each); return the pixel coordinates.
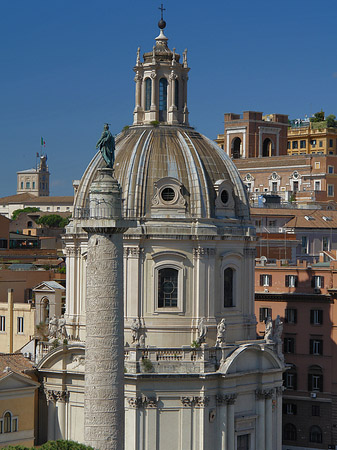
(304, 296)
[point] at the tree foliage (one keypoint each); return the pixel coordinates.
(29, 209)
(318, 117)
(331, 121)
(53, 221)
(52, 445)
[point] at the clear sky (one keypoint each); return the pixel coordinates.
(66, 68)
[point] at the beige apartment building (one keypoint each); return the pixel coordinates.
(311, 138)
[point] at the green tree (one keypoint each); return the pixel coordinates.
(53, 221)
(29, 209)
(331, 121)
(318, 117)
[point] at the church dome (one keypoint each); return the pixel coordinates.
(171, 171)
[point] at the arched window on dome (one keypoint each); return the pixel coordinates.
(148, 92)
(228, 287)
(167, 287)
(162, 98)
(289, 432)
(176, 94)
(315, 434)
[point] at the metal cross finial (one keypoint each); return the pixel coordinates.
(162, 9)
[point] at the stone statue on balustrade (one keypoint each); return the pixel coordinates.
(221, 333)
(106, 144)
(202, 331)
(268, 335)
(277, 338)
(135, 330)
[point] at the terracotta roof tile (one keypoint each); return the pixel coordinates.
(16, 362)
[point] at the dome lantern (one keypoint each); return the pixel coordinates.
(161, 85)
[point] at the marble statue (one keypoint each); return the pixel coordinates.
(135, 328)
(52, 328)
(202, 330)
(268, 330)
(221, 333)
(61, 329)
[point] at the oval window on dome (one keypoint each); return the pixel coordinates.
(168, 194)
(224, 196)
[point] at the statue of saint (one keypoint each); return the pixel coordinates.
(53, 325)
(202, 330)
(62, 332)
(221, 333)
(135, 330)
(268, 335)
(106, 144)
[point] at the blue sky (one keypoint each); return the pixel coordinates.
(66, 68)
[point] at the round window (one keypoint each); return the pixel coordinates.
(168, 287)
(224, 196)
(168, 194)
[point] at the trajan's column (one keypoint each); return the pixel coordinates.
(104, 365)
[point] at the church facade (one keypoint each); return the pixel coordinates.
(195, 375)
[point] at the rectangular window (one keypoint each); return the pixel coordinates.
(303, 144)
(325, 244)
(274, 186)
(21, 184)
(290, 380)
(316, 347)
(295, 144)
(330, 190)
(33, 184)
(317, 282)
(291, 315)
(15, 424)
(288, 145)
(265, 280)
(315, 410)
(330, 143)
(316, 317)
(321, 143)
(3, 243)
(2, 323)
(317, 185)
(243, 442)
(330, 169)
(290, 409)
(289, 345)
(304, 245)
(27, 185)
(295, 186)
(20, 324)
(313, 143)
(317, 165)
(264, 313)
(167, 287)
(291, 280)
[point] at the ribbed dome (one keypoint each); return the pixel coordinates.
(147, 154)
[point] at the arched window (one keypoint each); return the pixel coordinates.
(167, 288)
(267, 149)
(289, 432)
(228, 287)
(7, 422)
(236, 148)
(163, 94)
(148, 91)
(315, 434)
(176, 94)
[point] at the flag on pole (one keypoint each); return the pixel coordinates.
(42, 140)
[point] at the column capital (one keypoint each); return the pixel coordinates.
(228, 399)
(264, 394)
(201, 252)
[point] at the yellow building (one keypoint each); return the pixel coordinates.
(18, 401)
(314, 138)
(17, 325)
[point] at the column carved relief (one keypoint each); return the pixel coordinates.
(56, 396)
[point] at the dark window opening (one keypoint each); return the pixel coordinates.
(167, 288)
(228, 287)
